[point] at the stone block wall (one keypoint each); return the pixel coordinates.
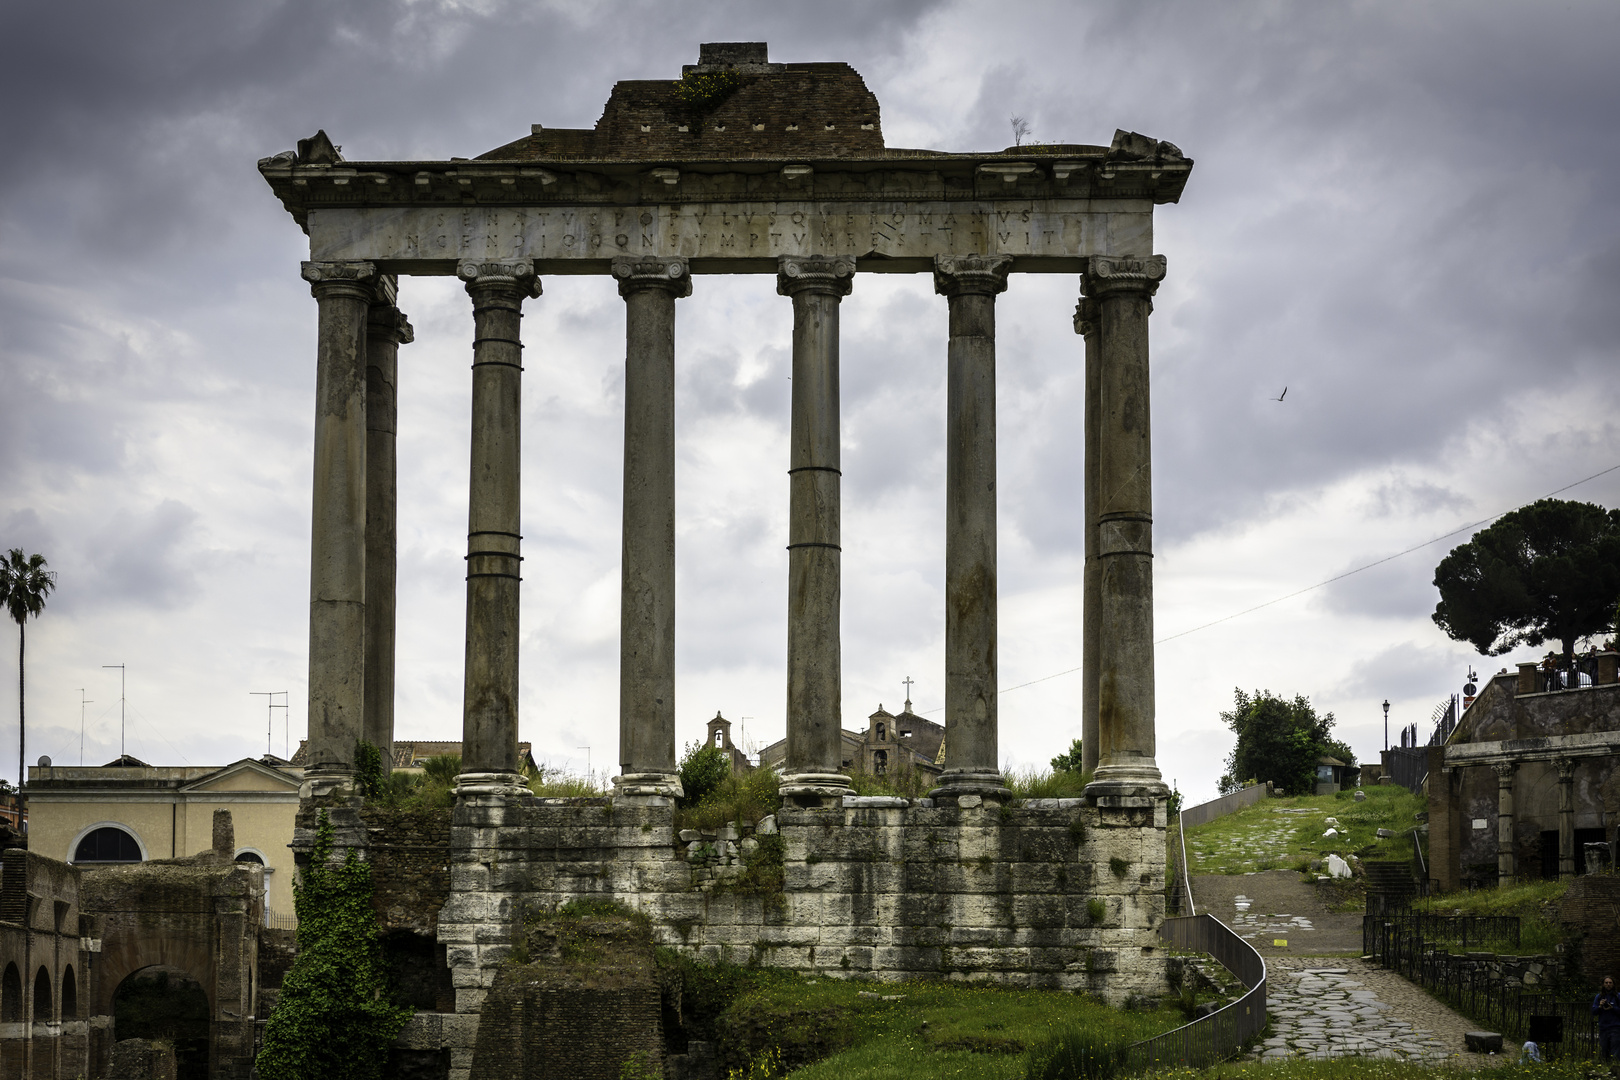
(1053, 893)
(1590, 914)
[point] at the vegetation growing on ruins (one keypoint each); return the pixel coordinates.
(717, 796)
(704, 91)
(334, 1019)
(1534, 902)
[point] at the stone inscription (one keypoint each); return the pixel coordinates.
(1041, 228)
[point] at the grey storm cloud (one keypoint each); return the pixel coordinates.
(1403, 213)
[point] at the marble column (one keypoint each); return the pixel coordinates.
(1566, 818)
(1126, 768)
(337, 592)
(489, 733)
(1085, 324)
(650, 287)
(1504, 823)
(386, 330)
(970, 284)
(815, 688)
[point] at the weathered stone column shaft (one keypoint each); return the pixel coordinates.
(1085, 324)
(337, 590)
(1504, 823)
(386, 329)
(647, 597)
(489, 761)
(1567, 867)
(970, 285)
(1126, 764)
(815, 685)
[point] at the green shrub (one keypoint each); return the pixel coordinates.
(1096, 911)
(703, 91)
(334, 1019)
(1047, 784)
(703, 769)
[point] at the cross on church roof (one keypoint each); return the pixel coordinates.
(908, 681)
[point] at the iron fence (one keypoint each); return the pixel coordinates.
(1378, 931)
(1224, 1032)
(275, 920)
(1473, 987)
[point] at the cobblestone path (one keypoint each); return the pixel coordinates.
(1323, 1010)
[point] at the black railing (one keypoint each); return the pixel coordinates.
(1464, 931)
(1557, 675)
(1407, 766)
(1224, 1032)
(1470, 984)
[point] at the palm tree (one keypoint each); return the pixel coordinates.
(24, 585)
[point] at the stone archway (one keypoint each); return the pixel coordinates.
(163, 1002)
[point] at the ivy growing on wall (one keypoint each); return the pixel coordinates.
(334, 1019)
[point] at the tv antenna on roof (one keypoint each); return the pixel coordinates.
(270, 713)
(83, 701)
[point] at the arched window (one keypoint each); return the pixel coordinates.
(42, 997)
(70, 995)
(881, 732)
(108, 844)
(11, 995)
(247, 855)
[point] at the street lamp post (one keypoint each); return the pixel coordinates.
(1386, 723)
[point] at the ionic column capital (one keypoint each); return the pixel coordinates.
(832, 275)
(509, 279)
(1113, 275)
(387, 321)
(637, 272)
(1087, 316)
(357, 279)
(971, 275)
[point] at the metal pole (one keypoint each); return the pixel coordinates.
(83, 701)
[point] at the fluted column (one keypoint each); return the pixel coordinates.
(815, 689)
(386, 330)
(1126, 765)
(1566, 818)
(337, 589)
(650, 287)
(489, 761)
(1085, 324)
(970, 284)
(1504, 823)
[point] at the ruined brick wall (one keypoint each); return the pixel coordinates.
(409, 852)
(1590, 914)
(581, 1011)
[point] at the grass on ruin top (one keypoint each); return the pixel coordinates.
(1533, 902)
(933, 1030)
(1286, 834)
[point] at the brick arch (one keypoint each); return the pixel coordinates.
(44, 1000)
(11, 995)
(191, 953)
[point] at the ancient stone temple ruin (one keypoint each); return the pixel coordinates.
(748, 166)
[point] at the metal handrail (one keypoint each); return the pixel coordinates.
(1222, 1033)
(1186, 874)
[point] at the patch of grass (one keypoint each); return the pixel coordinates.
(1272, 832)
(1534, 902)
(1096, 911)
(934, 1030)
(1035, 783)
(899, 783)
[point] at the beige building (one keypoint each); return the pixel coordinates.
(128, 811)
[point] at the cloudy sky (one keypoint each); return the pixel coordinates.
(1403, 212)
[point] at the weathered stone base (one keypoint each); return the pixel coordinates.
(1052, 893)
